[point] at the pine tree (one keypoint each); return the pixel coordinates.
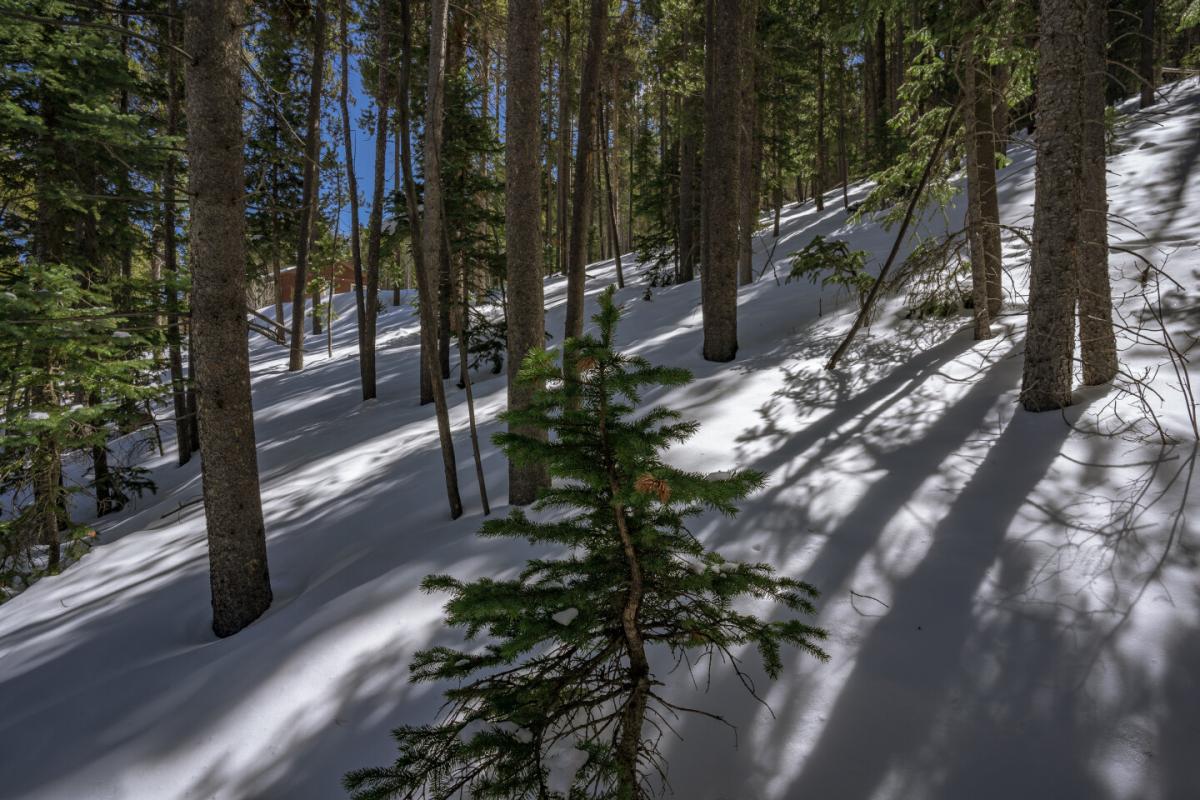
(567, 665)
(237, 541)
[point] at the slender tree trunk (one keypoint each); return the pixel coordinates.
(721, 114)
(975, 224)
(614, 225)
(1058, 205)
(431, 225)
(311, 190)
(882, 109)
(237, 545)
(843, 167)
(183, 419)
(1098, 346)
(312, 247)
(375, 218)
(819, 172)
(689, 155)
(1146, 60)
(747, 145)
(192, 404)
(564, 142)
(581, 207)
(1001, 76)
(466, 381)
(365, 349)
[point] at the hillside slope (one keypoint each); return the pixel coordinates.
(1013, 599)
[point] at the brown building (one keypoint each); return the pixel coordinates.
(343, 279)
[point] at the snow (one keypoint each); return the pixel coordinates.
(1013, 600)
(566, 616)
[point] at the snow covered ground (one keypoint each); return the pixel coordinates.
(1013, 599)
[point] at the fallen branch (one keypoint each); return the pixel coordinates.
(865, 312)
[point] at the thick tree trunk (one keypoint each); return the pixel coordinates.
(748, 136)
(237, 545)
(1098, 346)
(311, 190)
(581, 208)
(720, 175)
(1146, 61)
(1050, 340)
(360, 316)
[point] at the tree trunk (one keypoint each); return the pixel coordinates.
(975, 224)
(843, 166)
(352, 187)
(689, 154)
(1001, 76)
(1050, 340)
(720, 175)
(614, 225)
(183, 419)
(747, 146)
(525, 301)
(1098, 346)
(983, 144)
(311, 190)
(564, 142)
(375, 218)
(237, 545)
(421, 254)
(819, 171)
(1146, 61)
(581, 209)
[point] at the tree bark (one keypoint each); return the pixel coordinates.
(748, 136)
(1050, 338)
(843, 166)
(1146, 60)
(975, 224)
(237, 546)
(1098, 345)
(689, 154)
(375, 218)
(720, 175)
(360, 316)
(424, 275)
(581, 208)
(819, 170)
(564, 142)
(183, 419)
(614, 226)
(311, 190)
(432, 226)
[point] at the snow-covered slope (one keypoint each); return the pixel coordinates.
(1013, 599)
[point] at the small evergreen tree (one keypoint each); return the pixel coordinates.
(567, 663)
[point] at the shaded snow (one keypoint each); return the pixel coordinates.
(1012, 599)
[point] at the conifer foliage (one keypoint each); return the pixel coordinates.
(562, 700)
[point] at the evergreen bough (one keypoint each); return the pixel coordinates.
(566, 666)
